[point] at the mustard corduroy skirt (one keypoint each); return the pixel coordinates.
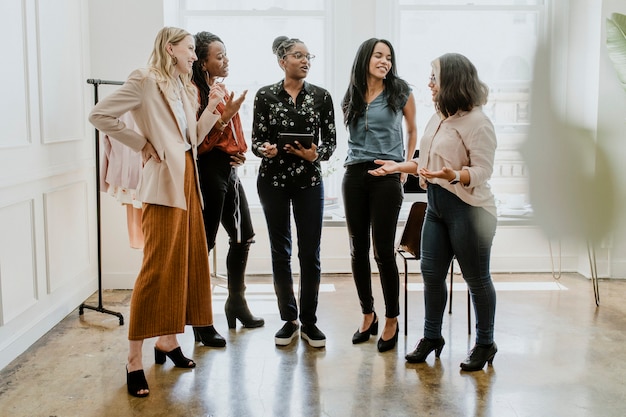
(173, 288)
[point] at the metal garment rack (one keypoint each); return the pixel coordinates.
(99, 308)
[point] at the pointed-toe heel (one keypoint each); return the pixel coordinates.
(360, 337)
(479, 356)
(423, 349)
(208, 336)
(136, 382)
(385, 345)
(176, 355)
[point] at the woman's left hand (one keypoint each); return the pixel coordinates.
(309, 154)
(445, 173)
(237, 159)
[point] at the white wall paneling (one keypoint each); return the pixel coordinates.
(47, 181)
(13, 73)
(67, 237)
(18, 272)
(61, 70)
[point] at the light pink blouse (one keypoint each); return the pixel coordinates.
(466, 140)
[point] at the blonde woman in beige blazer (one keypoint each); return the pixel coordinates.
(173, 288)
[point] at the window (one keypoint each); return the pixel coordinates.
(248, 28)
(499, 37)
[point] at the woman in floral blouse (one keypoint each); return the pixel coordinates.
(291, 176)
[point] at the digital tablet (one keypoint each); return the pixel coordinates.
(305, 139)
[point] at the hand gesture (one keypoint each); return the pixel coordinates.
(233, 105)
(386, 167)
(216, 95)
(445, 173)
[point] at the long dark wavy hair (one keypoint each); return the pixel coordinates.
(459, 85)
(203, 40)
(353, 104)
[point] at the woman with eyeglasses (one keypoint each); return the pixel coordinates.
(225, 202)
(454, 166)
(290, 179)
(374, 106)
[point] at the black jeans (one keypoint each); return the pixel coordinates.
(373, 203)
(308, 209)
(225, 202)
(221, 193)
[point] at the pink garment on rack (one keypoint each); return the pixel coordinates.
(120, 172)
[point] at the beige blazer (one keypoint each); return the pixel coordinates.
(161, 182)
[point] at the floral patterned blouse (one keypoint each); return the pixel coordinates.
(274, 112)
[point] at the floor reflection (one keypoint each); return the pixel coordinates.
(558, 356)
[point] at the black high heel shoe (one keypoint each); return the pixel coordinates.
(359, 337)
(478, 356)
(176, 355)
(135, 382)
(208, 336)
(423, 349)
(235, 308)
(385, 345)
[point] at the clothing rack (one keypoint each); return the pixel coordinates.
(99, 308)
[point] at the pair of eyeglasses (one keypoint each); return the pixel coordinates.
(433, 79)
(300, 55)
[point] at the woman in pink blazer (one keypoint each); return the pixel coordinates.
(173, 287)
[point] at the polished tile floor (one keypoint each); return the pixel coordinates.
(558, 355)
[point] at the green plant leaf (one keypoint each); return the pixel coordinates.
(616, 44)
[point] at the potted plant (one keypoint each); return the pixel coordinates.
(616, 44)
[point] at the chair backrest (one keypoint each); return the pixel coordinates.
(412, 234)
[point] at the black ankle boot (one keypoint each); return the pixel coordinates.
(423, 349)
(478, 356)
(208, 336)
(235, 308)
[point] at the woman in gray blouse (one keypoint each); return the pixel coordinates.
(374, 106)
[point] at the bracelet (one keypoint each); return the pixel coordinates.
(222, 123)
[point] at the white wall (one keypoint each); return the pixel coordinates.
(47, 198)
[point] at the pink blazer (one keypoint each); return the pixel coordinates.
(161, 182)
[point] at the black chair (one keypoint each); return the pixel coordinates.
(409, 249)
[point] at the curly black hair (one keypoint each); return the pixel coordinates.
(203, 40)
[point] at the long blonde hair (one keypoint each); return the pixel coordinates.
(162, 64)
